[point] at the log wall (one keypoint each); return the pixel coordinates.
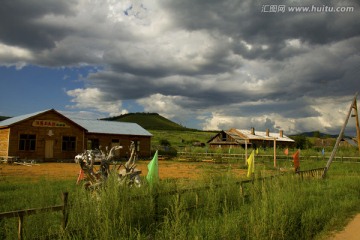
(4, 143)
(50, 127)
(46, 133)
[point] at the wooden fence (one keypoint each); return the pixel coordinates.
(179, 192)
(156, 195)
(316, 172)
(223, 157)
(22, 213)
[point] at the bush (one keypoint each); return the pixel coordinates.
(164, 142)
(167, 151)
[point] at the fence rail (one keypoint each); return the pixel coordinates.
(190, 155)
(22, 213)
(316, 172)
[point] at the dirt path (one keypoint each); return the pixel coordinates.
(351, 231)
(167, 169)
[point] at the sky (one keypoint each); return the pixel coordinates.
(207, 64)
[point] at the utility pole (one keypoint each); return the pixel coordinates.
(356, 123)
(341, 134)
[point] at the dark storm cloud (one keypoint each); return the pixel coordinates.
(122, 86)
(163, 65)
(295, 109)
(20, 25)
(130, 86)
(268, 35)
(244, 21)
(203, 55)
(328, 70)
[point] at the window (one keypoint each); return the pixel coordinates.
(137, 145)
(93, 144)
(27, 142)
(223, 136)
(68, 143)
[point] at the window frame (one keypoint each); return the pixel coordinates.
(68, 143)
(27, 142)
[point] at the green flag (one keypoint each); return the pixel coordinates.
(153, 170)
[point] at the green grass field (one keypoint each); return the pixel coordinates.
(285, 207)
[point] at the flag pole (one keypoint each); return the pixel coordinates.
(246, 157)
(275, 152)
(253, 174)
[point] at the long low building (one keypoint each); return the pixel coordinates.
(49, 135)
(241, 137)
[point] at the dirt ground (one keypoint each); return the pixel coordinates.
(351, 231)
(167, 169)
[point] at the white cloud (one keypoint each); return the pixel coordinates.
(83, 114)
(331, 116)
(164, 105)
(11, 54)
(218, 121)
(93, 98)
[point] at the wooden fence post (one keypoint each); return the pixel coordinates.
(241, 190)
(196, 199)
(65, 209)
(156, 206)
(21, 224)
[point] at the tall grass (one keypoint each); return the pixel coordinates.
(285, 207)
(15, 195)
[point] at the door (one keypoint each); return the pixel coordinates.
(49, 148)
(116, 142)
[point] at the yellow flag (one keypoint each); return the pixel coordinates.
(250, 163)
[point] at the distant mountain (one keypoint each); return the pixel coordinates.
(316, 134)
(149, 121)
(3, 118)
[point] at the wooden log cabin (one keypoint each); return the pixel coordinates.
(49, 136)
(256, 139)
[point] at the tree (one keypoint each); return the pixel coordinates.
(164, 142)
(316, 134)
(302, 142)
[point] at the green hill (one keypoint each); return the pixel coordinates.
(149, 121)
(315, 134)
(3, 118)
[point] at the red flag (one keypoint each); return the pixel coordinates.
(286, 151)
(80, 177)
(296, 157)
